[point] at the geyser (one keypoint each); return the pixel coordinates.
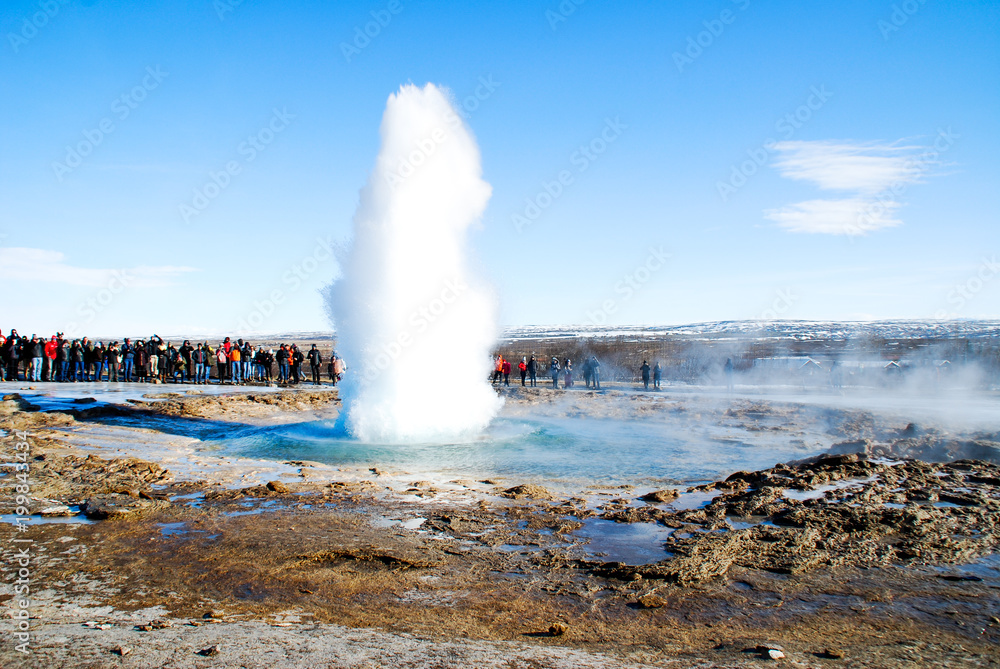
(414, 324)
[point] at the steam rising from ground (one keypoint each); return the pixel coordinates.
(407, 303)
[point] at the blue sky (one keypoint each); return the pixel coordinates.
(793, 160)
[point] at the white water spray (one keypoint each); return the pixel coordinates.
(414, 325)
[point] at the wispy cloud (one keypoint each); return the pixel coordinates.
(875, 174)
(852, 216)
(43, 265)
(863, 167)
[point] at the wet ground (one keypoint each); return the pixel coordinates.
(175, 544)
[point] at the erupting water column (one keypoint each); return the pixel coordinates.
(414, 325)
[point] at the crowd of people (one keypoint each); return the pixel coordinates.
(530, 370)
(152, 360)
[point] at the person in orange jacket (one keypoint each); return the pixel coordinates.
(234, 359)
(498, 370)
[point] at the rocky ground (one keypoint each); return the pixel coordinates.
(863, 557)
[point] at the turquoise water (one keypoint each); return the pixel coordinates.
(578, 450)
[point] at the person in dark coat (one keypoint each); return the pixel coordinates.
(113, 353)
(645, 374)
(315, 361)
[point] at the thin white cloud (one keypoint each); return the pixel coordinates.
(864, 167)
(852, 216)
(43, 265)
(874, 173)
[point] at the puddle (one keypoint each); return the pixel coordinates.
(631, 543)
(691, 501)
(408, 524)
(172, 529)
(194, 499)
(37, 519)
(821, 491)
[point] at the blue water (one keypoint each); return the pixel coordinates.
(593, 451)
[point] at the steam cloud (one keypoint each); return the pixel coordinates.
(414, 325)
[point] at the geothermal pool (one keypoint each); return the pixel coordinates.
(567, 441)
(574, 452)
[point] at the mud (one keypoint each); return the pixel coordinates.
(840, 560)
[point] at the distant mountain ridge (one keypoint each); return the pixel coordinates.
(775, 329)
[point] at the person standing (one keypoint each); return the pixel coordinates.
(567, 373)
(51, 347)
(505, 368)
(37, 353)
(235, 354)
(497, 370)
(8, 356)
(282, 358)
(297, 359)
(99, 358)
(729, 374)
(140, 358)
(162, 358)
(586, 373)
(222, 362)
(197, 362)
(128, 358)
(645, 374)
(26, 357)
(269, 365)
(523, 368)
(595, 372)
(62, 359)
(315, 360)
(246, 360)
(554, 371)
(112, 354)
(533, 371)
(185, 352)
(657, 374)
(154, 360)
(339, 368)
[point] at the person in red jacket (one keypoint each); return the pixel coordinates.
(51, 347)
(523, 368)
(506, 372)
